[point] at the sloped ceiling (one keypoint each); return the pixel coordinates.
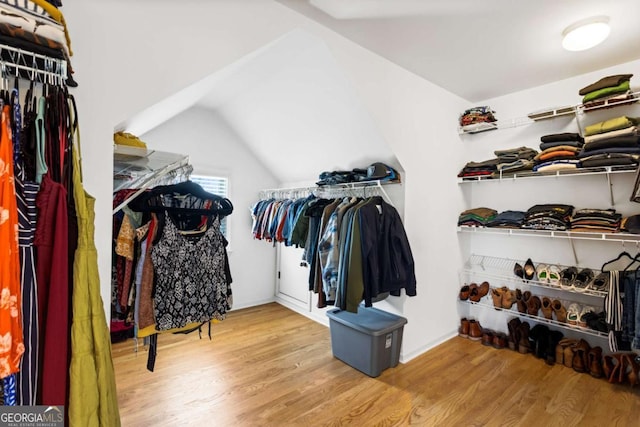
(481, 49)
(291, 105)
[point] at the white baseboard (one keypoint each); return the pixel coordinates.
(406, 357)
(303, 310)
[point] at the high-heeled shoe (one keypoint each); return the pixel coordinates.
(518, 270)
(529, 270)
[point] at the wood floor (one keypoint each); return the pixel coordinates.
(270, 366)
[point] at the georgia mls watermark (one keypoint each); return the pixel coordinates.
(32, 416)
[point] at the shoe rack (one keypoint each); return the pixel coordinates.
(499, 272)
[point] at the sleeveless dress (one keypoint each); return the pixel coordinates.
(191, 284)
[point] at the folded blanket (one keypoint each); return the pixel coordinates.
(608, 81)
(607, 91)
(616, 123)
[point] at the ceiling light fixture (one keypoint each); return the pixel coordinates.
(586, 34)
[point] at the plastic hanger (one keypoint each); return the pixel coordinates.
(150, 202)
(619, 257)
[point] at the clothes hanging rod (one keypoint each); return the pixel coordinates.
(319, 189)
(345, 185)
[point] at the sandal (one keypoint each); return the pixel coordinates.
(573, 314)
(600, 283)
(585, 315)
(582, 280)
(567, 277)
(553, 273)
(543, 273)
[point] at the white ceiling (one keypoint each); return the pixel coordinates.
(481, 49)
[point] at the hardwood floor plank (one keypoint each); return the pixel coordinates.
(269, 366)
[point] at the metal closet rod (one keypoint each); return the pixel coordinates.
(363, 185)
(34, 64)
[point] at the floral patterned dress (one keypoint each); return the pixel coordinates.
(11, 339)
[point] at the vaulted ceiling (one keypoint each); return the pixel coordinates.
(481, 49)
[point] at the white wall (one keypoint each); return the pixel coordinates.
(581, 192)
(130, 55)
(215, 149)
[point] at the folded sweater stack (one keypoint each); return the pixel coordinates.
(610, 88)
(596, 220)
(611, 142)
(559, 152)
(513, 160)
(482, 114)
(477, 217)
(548, 217)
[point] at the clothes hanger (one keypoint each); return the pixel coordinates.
(619, 257)
(151, 200)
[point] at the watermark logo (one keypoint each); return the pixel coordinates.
(32, 416)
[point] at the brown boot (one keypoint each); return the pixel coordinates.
(496, 296)
(474, 293)
(560, 311)
(580, 356)
(523, 345)
(475, 330)
(463, 331)
(464, 293)
(483, 289)
(514, 333)
(632, 369)
(508, 298)
(595, 362)
(547, 310)
(487, 337)
(520, 303)
(533, 305)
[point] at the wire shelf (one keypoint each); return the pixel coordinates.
(605, 170)
(539, 319)
(501, 269)
(572, 235)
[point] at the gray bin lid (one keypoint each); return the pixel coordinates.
(368, 320)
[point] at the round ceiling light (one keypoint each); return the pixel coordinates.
(586, 34)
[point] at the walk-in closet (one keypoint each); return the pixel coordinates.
(315, 212)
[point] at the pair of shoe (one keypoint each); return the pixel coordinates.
(621, 367)
(519, 333)
(543, 342)
(474, 292)
(503, 297)
(494, 339)
(548, 274)
(470, 328)
(527, 272)
(531, 305)
(578, 316)
(572, 279)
